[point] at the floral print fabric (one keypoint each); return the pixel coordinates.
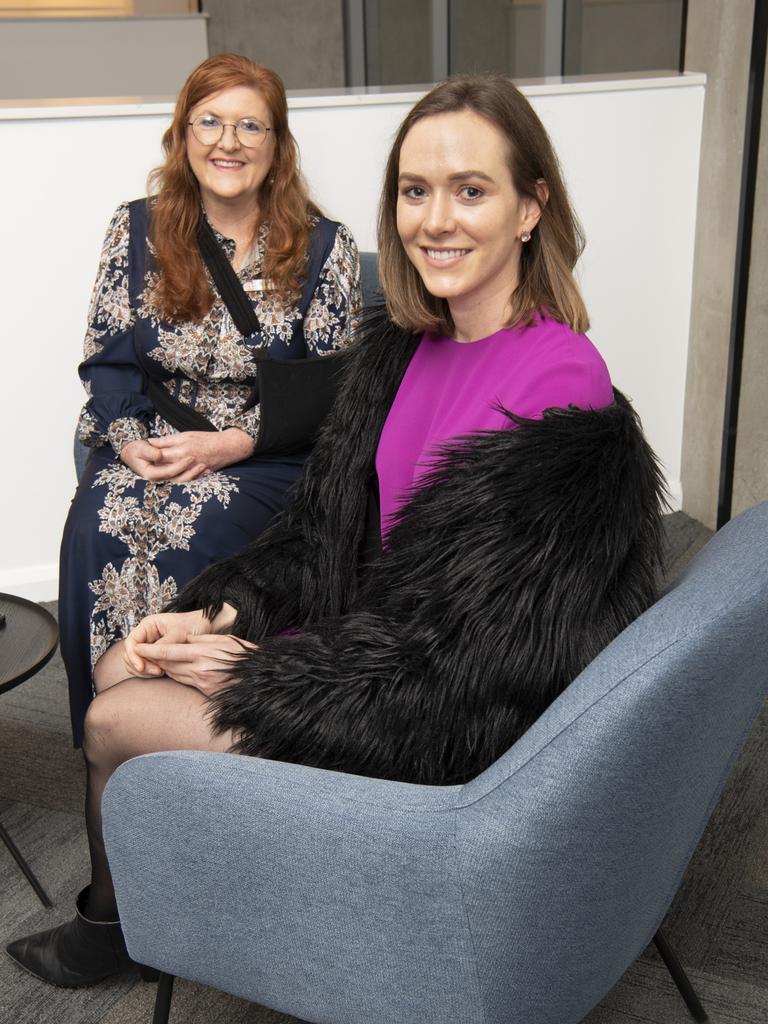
(162, 518)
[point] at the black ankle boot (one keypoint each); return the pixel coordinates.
(76, 954)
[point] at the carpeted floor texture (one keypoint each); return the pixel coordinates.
(718, 921)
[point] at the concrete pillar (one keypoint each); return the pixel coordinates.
(750, 479)
(303, 40)
(718, 42)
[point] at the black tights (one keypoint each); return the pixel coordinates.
(129, 717)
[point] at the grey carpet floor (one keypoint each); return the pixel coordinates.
(718, 921)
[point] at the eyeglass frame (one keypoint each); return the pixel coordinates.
(233, 125)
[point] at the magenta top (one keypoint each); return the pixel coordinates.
(450, 389)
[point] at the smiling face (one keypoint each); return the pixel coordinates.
(460, 217)
(227, 172)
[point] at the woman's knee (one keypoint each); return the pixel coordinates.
(139, 716)
(109, 724)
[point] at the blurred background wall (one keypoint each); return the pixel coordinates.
(303, 40)
(725, 437)
(54, 49)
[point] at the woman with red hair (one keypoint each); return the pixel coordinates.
(179, 474)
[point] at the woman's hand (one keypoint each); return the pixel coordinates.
(198, 452)
(178, 458)
(204, 661)
(148, 462)
(143, 459)
(169, 628)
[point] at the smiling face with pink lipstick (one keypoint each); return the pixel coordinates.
(461, 219)
(476, 231)
(228, 172)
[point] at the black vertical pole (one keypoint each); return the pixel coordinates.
(683, 32)
(743, 256)
(448, 64)
(563, 38)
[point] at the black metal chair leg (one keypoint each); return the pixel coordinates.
(163, 998)
(29, 874)
(680, 978)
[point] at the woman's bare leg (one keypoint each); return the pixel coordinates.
(128, 718)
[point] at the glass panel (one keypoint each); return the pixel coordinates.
(505, 36)
(520, 38)
(398, 41)
(604, 36)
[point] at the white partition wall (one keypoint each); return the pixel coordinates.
(60, 180)
(630, 151)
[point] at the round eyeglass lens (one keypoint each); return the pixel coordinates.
(250, 132)
(208, 129)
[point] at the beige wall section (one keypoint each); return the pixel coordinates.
(718, 43)
(77, 57)
(750, 481)
(303, 40)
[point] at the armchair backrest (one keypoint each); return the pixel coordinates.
(369, 277)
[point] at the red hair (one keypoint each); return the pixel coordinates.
(183, 291)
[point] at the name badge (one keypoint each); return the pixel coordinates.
(256, 284)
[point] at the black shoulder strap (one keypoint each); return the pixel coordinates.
(227, 282)
(230, 287)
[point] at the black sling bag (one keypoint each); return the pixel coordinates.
(294, 395)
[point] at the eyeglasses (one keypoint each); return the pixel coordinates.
(249, 132)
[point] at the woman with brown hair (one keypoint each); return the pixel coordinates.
(179, 473)
(480, 516)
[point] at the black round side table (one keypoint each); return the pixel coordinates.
(28, 639)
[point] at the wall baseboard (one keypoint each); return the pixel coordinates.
(36, 583)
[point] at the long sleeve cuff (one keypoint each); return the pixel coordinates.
(88, 431)
(121, 432)
(249, 422)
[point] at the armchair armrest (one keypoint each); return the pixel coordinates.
(263, 878)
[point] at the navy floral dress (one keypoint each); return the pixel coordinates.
(130, 544)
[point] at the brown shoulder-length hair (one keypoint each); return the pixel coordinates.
(546, 275)
(182, 291)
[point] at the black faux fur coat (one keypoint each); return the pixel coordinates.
(524, 553)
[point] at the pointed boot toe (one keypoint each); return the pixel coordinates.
(74, 955)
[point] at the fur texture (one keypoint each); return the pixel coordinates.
(522, 555)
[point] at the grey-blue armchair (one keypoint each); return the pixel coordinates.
(518, 898)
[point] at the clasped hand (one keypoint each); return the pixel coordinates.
(182, 646)
(177, 458)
